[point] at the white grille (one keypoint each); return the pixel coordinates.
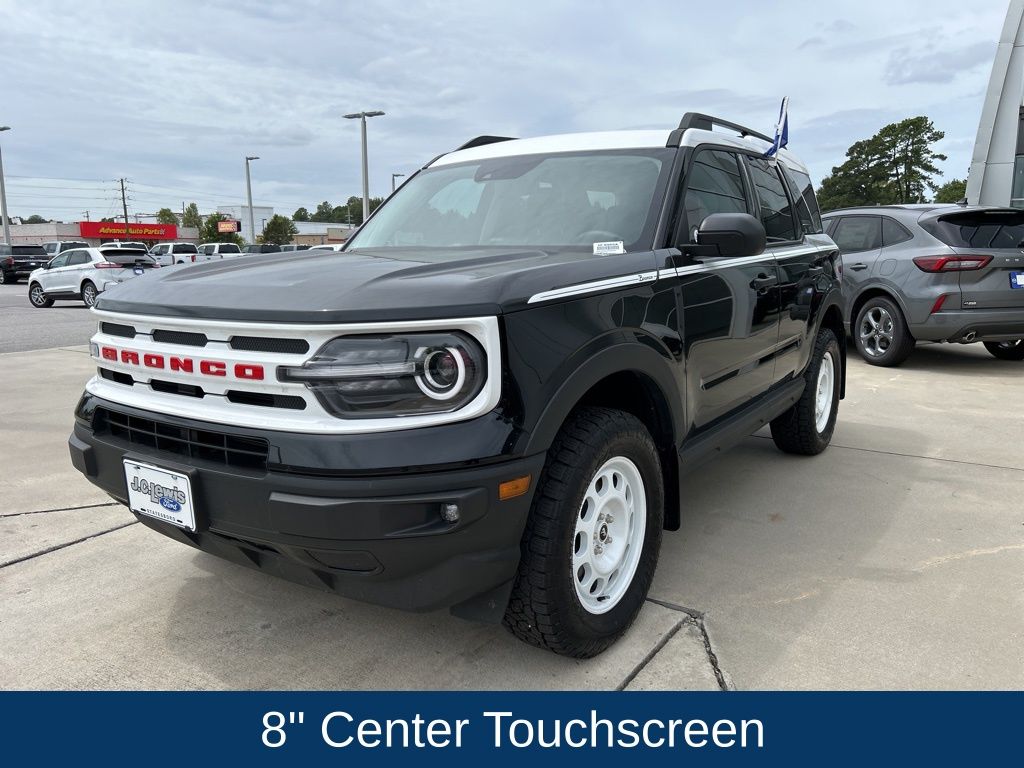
(239, 367)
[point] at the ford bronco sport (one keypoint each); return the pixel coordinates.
(487, 401)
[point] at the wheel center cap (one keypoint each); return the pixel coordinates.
(603, 533)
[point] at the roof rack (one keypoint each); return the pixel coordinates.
(707, 123)
(480, 141)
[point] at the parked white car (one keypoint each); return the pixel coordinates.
(214, 251)
(84, 273)
(167, 254)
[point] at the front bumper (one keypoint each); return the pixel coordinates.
(374, 537)
(984, 324)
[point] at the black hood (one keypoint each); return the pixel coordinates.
(362, 285)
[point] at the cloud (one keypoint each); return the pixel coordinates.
(941, 64)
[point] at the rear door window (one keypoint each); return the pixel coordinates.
(775, 209)
(806, 203)
(78, 258)
(858, 233)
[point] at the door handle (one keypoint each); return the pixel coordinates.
(858, 266)
(763, 282)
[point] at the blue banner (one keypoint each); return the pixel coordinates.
(671, 729)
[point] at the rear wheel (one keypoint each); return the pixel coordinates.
(6, 279)
(37, 297)
(591, 542)
(807, 427)
(881, 333)
(89, 294)
(1006, 350)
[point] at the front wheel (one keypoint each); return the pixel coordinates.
(1006, 350)
(89, 294)
(592, 539)
(37, 297)
(807, 427)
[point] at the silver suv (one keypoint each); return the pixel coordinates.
(931, 273)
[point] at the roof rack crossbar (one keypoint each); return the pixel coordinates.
(708, 122)
(481, 141)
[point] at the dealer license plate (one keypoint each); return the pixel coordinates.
(160, 493)
(1017, 279)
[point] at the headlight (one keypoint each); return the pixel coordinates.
(362, 377)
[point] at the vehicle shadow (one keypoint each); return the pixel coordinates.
(959, 359)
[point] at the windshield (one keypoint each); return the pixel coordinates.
(980, 229)
(537, 201)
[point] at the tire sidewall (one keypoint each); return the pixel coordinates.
(85, 288)
(633, 446)
(829, 345)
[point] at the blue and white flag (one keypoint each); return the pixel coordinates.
(781, 130)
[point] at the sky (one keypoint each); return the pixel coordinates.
(174, 95)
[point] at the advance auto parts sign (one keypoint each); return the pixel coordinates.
(109, 230)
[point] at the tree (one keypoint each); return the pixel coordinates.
(166, 216)
(952, 191)
(35, 218)
(208, 232)
(896, 165)
(279, 230)
(324, 212)
(191, 217)
(300, 215)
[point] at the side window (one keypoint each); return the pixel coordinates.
(893, 232)
(60, 261)
(715, 185)
(77, 258)
(806, 203)
(858, 233)
(773, 204)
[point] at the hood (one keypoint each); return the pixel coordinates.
(362, 285)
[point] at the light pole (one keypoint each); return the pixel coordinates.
(3, 196)
(366, 171)
(393, 177)
(248, 195)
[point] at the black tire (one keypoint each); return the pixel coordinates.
(1006, 350)
(545, 609)
(897, 348)
(37, 298)
(6, 279)
(89, 294)
(797, 430)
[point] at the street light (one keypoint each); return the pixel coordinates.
(3, 196)
(248, 194)
(393, 177)
(366, 172)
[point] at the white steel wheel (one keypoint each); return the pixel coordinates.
(609, 535)
(825, 392)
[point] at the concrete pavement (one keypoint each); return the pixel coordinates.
(894, 560)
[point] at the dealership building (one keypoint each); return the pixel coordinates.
(997, 166)
(97, 232)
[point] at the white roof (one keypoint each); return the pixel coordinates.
(564, 142)
(582, 142)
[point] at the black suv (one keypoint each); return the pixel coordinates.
(489, 402)
(18, 261)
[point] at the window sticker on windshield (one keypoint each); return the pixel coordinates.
(608, 249)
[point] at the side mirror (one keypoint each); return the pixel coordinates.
(733, 234)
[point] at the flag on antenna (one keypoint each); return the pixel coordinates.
(781, 130)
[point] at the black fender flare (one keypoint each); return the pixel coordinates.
(624, 355)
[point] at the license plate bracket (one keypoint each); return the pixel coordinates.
(160, 493)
